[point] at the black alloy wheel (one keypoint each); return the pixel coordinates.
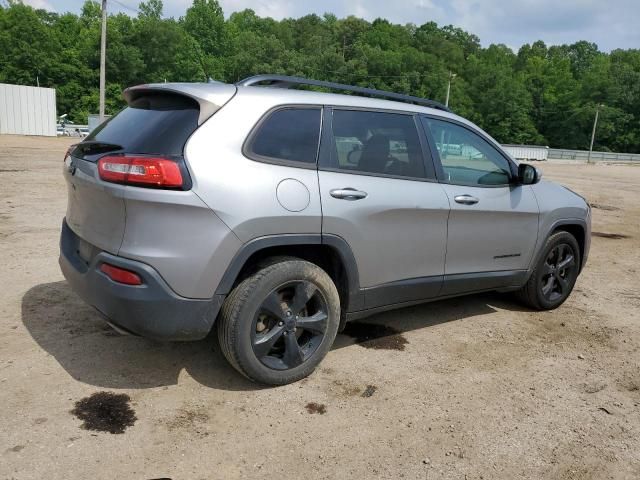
(289, 325)
(558, 272)
(555, 273)
(277, 325)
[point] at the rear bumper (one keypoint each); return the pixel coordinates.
(150, 310)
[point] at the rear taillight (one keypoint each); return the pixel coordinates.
(120, 275)
(142, 171)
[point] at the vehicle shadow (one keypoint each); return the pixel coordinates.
(429, 314)
(91, 352)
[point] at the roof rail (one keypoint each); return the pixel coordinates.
(284, 81)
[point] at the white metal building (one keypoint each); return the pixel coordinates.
(27, 110)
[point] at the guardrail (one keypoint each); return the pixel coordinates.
(583, 155)
(537, 152)
(72, 130)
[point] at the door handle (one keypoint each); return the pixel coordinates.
(348, 193)
(466, 199)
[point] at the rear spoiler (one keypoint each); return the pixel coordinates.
(210, 96)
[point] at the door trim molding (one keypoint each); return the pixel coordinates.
(402, 291)
(405, 293)
(463, 283)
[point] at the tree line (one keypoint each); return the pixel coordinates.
(545, 95)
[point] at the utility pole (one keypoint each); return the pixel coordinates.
(451, 77)
(103, 54)
(593, 132)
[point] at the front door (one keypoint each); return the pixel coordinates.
(379, 195)
(493, 224)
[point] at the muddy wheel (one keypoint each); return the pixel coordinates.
(278, 324)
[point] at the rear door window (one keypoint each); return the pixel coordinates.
(288, 135)
(152, 124)
(377, 143)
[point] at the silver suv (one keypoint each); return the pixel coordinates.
(279, 214)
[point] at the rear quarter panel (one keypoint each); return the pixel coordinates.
(178, 234)
(242, 192)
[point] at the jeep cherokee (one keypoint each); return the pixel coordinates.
(278, 214)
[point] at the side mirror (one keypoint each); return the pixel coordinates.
(528, 174)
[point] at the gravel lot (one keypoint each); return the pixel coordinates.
(470, 388)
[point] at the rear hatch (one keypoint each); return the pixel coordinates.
(140, 147)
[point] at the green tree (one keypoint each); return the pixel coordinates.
(28, 47)
(543, 94)
(502, 103)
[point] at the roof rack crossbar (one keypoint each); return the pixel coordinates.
(284, 81)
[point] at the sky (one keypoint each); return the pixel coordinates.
(610, 24)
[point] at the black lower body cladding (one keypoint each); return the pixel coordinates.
(150, 310)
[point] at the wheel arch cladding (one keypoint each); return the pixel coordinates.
(329, 252)
(578, 232)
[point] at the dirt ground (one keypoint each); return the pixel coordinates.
(470, 388)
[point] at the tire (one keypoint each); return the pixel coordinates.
(555, 274)
(262, 318)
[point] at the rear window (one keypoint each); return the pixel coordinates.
(377, 142)
(289, 135)
(151, 124)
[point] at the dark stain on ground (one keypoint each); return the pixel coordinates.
(631, 383)
(607, 208)
(613, 236)
(369, 391)
(372, 335)
(347, 389)
(189, 418)
(313, 407)
(105, 412)
(17, 448)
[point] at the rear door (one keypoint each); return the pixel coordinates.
(95, 211)
(380, 195)
(493, 225)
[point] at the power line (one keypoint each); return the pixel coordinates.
(135, 10)
(132, 9)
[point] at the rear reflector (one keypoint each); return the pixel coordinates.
(144, 171)
(120, 275)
